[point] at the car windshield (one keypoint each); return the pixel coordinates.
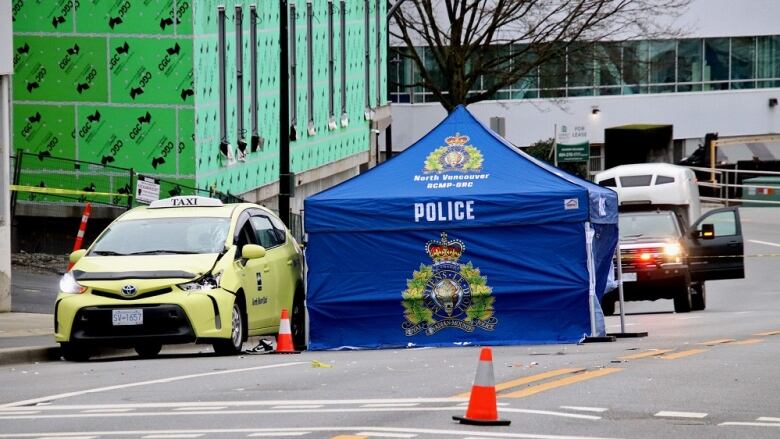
(647, 225)
(163, 236)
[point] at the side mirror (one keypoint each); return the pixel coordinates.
(707, 231)
(78, 254)
(252, 251)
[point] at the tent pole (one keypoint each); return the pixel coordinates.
(593, 337)
(621, 299)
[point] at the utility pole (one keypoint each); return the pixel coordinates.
(285, 187)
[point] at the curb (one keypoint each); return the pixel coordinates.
(13, 356)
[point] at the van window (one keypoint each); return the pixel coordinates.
(662, 179)
(635, 180)
(610, 182)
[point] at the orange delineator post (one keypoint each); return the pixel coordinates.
(483, 408)
(284, 341)
(82, 229)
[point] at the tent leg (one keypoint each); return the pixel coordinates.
(592, 301)
(623, 333)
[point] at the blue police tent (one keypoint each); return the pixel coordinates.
(461, 239)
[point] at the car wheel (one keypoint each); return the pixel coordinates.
(682, 300)
(71, 351)
(233, 345)
(149, 350)
(298, 322)
(699, 299)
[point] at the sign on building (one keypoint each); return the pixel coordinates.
(571, 144)
(147, 190)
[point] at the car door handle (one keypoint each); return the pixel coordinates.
(734, 244)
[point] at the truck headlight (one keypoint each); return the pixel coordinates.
(672, 250)
(69, 285)
(206, 282)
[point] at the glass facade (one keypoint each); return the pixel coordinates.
(623, 68)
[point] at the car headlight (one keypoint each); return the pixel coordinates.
(204, 283)
(672, 250)
(69, 285)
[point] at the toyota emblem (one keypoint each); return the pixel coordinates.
(129, 290)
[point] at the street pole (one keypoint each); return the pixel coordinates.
(284, 116)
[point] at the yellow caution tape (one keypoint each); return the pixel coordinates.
(320, 365)
(51, 190)
(763, 255)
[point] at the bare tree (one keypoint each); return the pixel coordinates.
(505, 41)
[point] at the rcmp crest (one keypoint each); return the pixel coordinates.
(456, 156)
(447, 294)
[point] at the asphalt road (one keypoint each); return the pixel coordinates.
(709, 374)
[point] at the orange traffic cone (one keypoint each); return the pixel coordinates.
(483, 409)
(284, 341)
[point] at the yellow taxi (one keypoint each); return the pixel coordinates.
(184, 269)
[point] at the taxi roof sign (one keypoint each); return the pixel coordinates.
(186, 201)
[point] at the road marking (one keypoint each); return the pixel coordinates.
(200, 408)
(348, 436)
(144, 383)
(767, 334)
(688, 318)
(69, 437)
(528, 379)
(31, 290)
(296, 407)
(107, 411)
(749, 341)
(681, 415)
(585, 409)
(716, 342)
(379, 406)
(650, 353)
(561, 382)
(373, 434)
(19, 412)
(550, 413)
(682, 354)
(279, 434)
(766, 419)
(750, 424)
(773, 244)
(171, 436)
(420, 431)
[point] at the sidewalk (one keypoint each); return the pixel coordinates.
(26, 338)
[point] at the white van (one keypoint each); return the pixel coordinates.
(657, 184)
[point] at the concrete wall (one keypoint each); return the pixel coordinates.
(6, 68)
(730, 113)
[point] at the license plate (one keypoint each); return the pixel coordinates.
(122, 317)
(629, 277)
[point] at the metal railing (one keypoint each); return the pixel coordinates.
(728, 189)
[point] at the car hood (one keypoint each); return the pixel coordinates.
(144, 272)
(630, 241)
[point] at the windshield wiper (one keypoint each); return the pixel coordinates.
(164, 252)
(107, 253)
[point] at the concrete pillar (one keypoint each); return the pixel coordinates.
(5, 211)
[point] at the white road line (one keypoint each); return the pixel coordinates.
(439, 432)
(279, 434)
(766, 419)
(107, 411)
(550, 413)
(69, 437)
(171, 436)
(773, 244)
(144, 383)
(751, 424)
(397, 404)
(19, 412)
(681, 415)
(200, 408)
(688, 318)
(296, 407)
(375, 434)
(585, 409)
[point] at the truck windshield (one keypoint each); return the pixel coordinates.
(163, 236)
(634, 225)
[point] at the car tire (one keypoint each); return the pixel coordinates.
(699, 299)
(71, 351)
(298, 321)
(148, 350)
(682, 300)
(235, 343)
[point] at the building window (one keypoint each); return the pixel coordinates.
(768, 60)
(635, 67)
(663, 58)
(689, 65)
(743, 56)
(716, 64)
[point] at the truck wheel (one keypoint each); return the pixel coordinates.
(608, 305)
(699, 298)
(682, 300)
(233, 345)
(71, 351)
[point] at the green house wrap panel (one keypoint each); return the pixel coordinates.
(149, 94)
